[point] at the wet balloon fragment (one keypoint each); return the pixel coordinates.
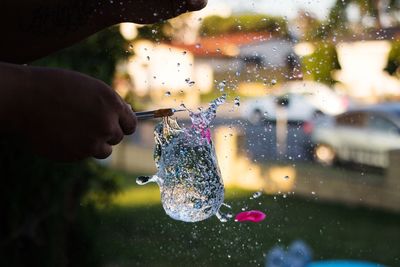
(251, 216)
(187, 170)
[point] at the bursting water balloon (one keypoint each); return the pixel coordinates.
(187, 169)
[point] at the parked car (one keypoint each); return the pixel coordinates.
(364, 135)
(300, 100)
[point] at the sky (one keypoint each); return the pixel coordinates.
(288, 8)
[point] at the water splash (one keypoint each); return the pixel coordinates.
(187, 170)
(236, 102)
(221, 86)
(257, 194)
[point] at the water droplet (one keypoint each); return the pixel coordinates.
(286, 177)
(141, 180)
(237, 101)
(148, 58)
(221, 86)
(257, 194)
(197, 45)
(168, 93)
(312, 192)
(226, 205)
(273, 81)
(222, 217)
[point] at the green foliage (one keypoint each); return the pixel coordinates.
(338, 23)
(315, 30)
(319, 65)
(96, 56)
(394, 58)
(44, 222)
(337, 20)
(215, 25)
(154, 32)
(48, 209)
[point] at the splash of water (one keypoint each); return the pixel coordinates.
(187, 170)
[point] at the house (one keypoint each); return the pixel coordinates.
(362, 73)
(167, 74)
(188, 70)
(234, 51)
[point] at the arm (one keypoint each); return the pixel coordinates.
(64, 115)
(36, 28)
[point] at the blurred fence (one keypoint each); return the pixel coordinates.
(365, 190)
(309, 180)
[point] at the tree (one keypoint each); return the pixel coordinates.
(319, 65)
(96, 56)
(394, 59)
(215, 25)
(372, 10)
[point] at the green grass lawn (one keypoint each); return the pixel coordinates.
(135, 231)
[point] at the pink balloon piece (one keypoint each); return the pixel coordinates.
(251, 216)
(206, 134)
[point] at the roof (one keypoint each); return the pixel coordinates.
(223, 45)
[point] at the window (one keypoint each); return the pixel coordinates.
(351, 120)
(379, 123)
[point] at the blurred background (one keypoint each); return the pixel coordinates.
(312, 121)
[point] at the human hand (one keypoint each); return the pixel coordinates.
(70, 116)
(151, 11)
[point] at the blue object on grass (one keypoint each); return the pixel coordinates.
(343, 263)
(297, 255)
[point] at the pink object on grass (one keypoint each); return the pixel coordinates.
(251, 216)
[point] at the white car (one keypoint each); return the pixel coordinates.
(301, 100)
(364, 136)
